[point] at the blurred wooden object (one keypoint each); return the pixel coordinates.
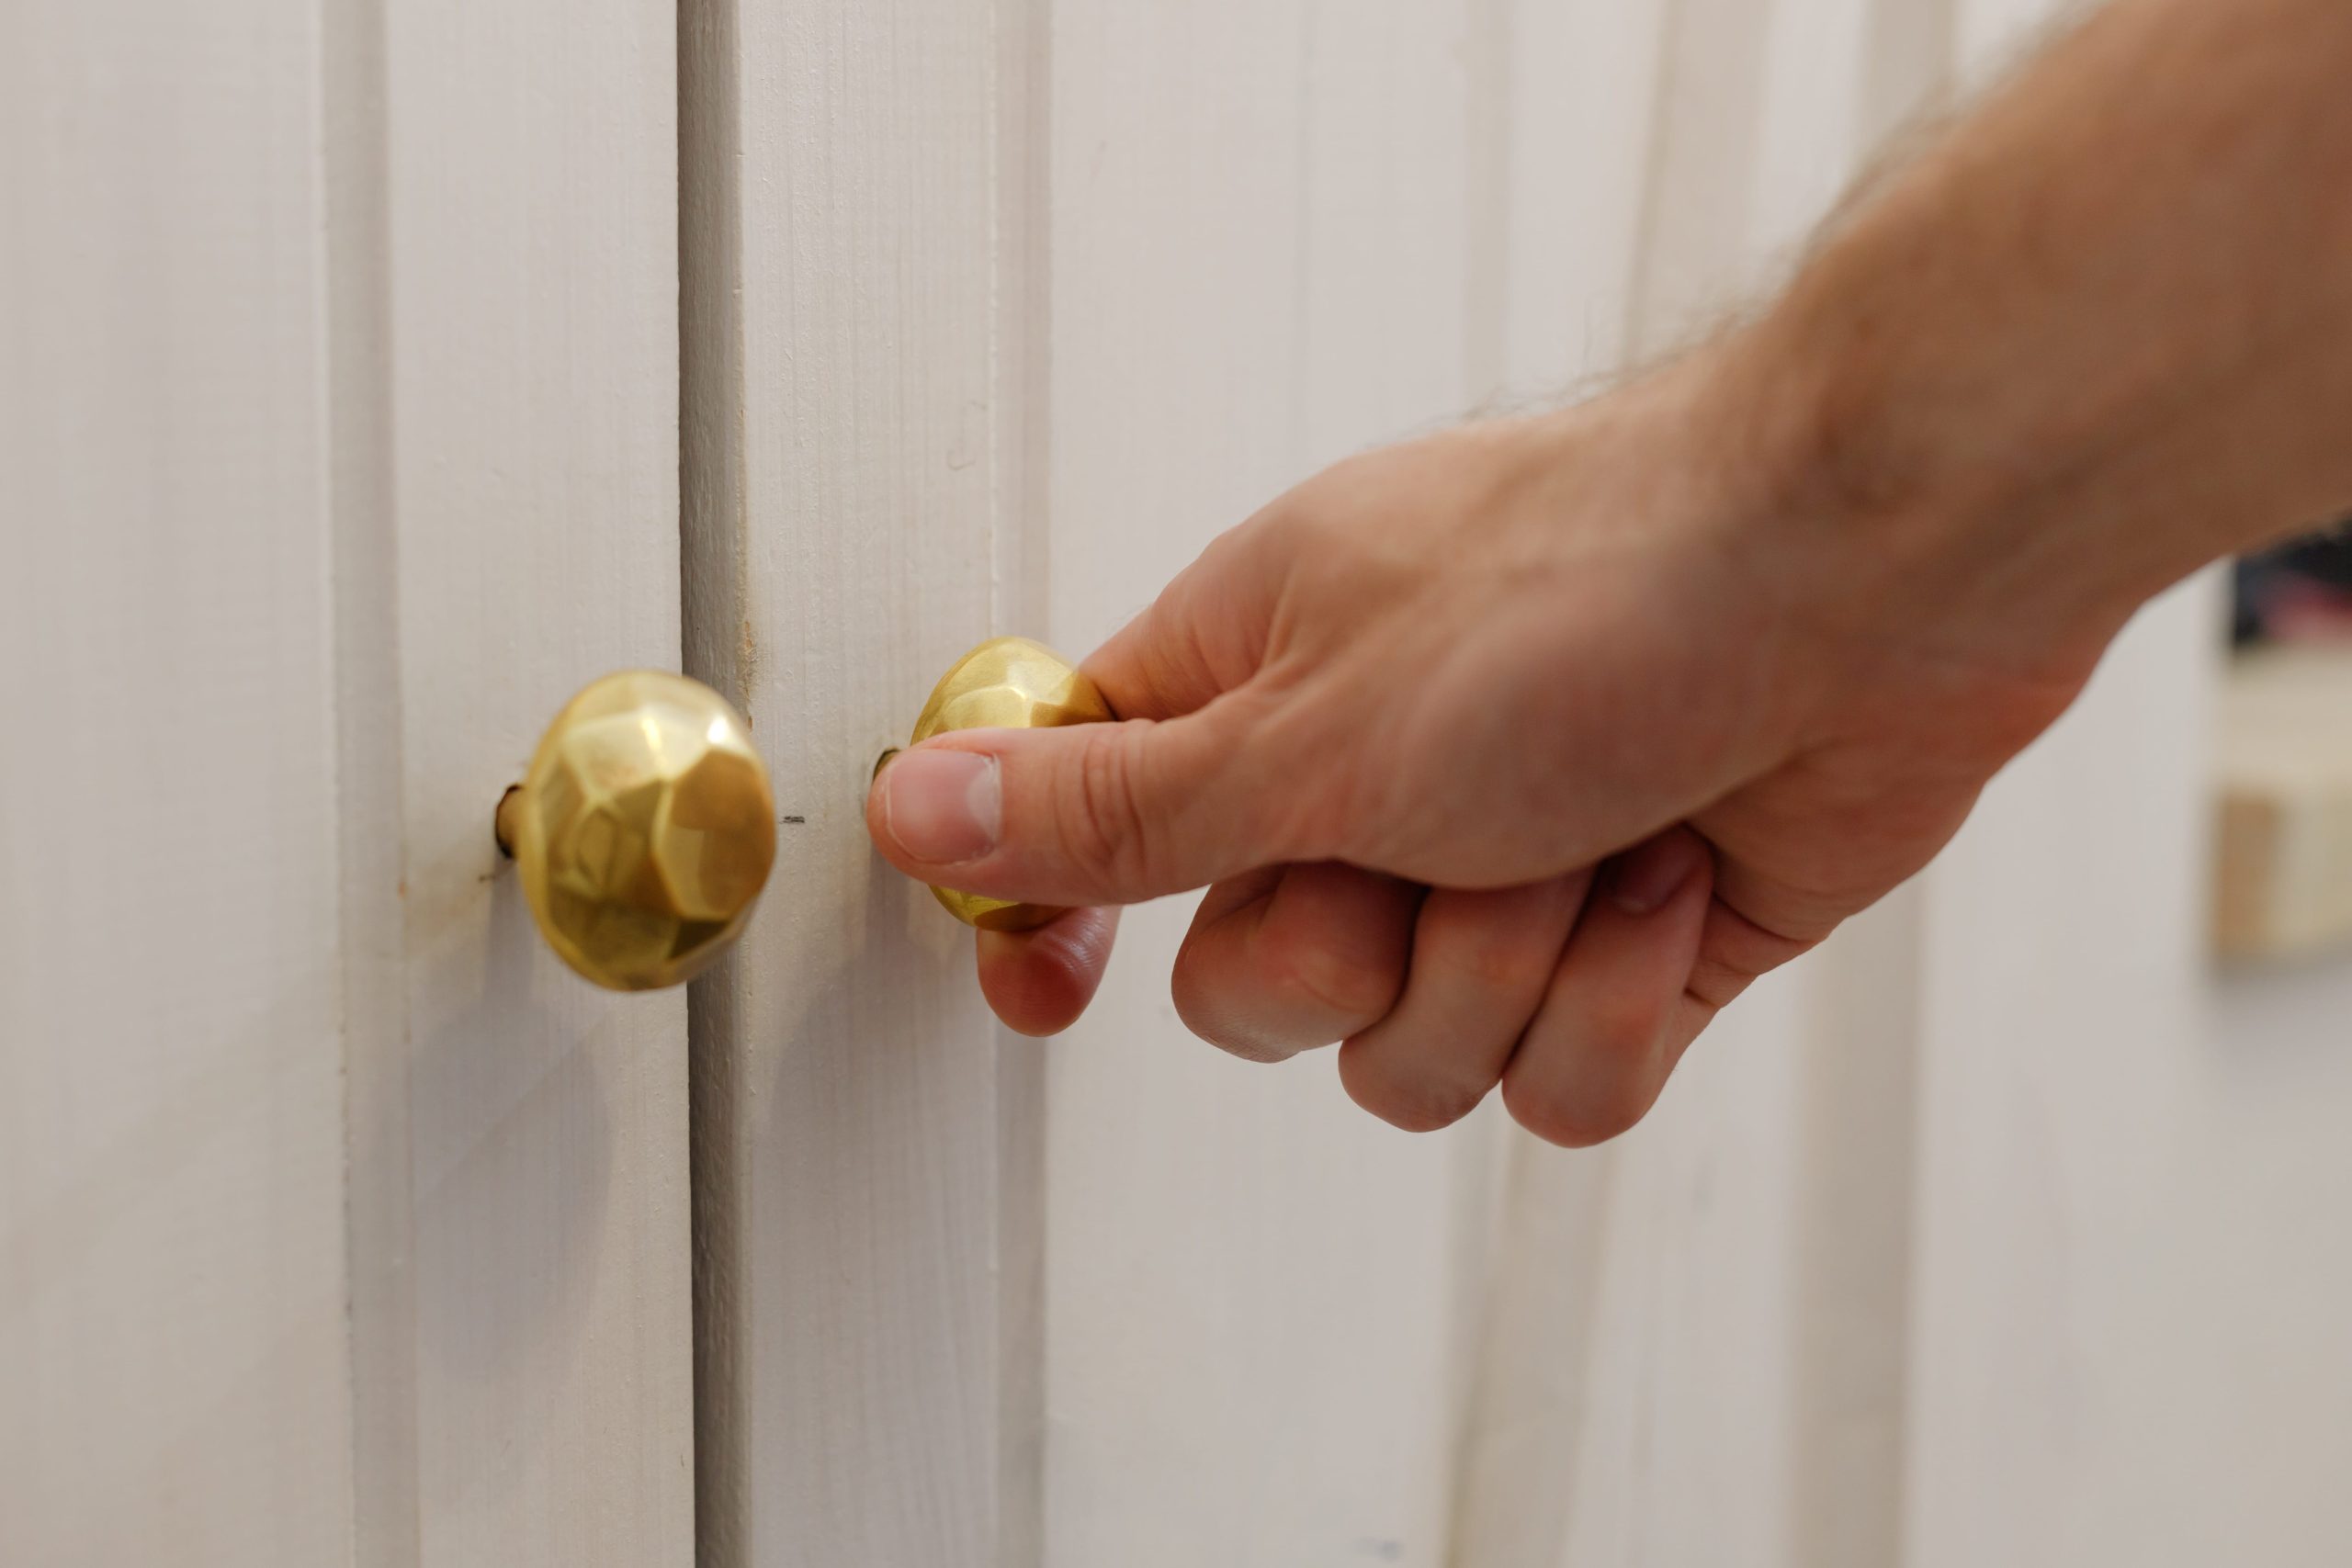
(2283, 886)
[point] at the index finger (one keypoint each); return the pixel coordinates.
(1204, 634)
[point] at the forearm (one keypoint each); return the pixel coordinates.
(2100, 333)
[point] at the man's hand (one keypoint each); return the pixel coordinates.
(1508, 756)
(1511, 755)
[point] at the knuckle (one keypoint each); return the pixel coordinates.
(1343, 986)
(1205, 1005)
(1601, 1110)
(1719, 983)
(1411, 1102)
(1231, 1035)
(1264, 1053)
(1623, 1030)
(1103, 830)
(1407, 1114)
(1510, 967)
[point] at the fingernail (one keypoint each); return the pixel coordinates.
(1644, 880)
(943, 807)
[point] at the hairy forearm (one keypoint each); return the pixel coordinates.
(2099, 333)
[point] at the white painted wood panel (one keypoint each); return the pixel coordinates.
(530, 194)
(2064, 1383)
(854, 226)
(1264, 256)
(341, 1223)
(1568, 107)
(172, 1360)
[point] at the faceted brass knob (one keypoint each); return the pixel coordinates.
(644, 830)
(1008, 683)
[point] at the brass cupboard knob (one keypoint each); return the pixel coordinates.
(1007, 683)
(644, 830)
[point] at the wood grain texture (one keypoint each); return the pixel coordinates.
(1259, 1300)
(852, 456)
(172, 1253)
(530, 172)
(1569, 108)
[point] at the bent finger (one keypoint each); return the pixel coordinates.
(1481, 963)
(1292, 957)
(1039, 981)
(1598, 1052)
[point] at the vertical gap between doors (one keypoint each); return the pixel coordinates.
(713, 547)
(378, 1214)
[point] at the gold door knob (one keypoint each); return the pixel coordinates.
(1007, 683)
(644, 830)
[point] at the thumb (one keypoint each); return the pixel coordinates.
(1086, 814)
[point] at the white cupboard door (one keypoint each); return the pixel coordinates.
(172, 1153)
(338, 1222)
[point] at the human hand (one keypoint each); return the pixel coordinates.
(1513, 754)
(1510, 755)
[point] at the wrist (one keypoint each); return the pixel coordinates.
(1922, 506)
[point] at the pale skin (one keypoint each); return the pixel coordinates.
(1510, 756)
